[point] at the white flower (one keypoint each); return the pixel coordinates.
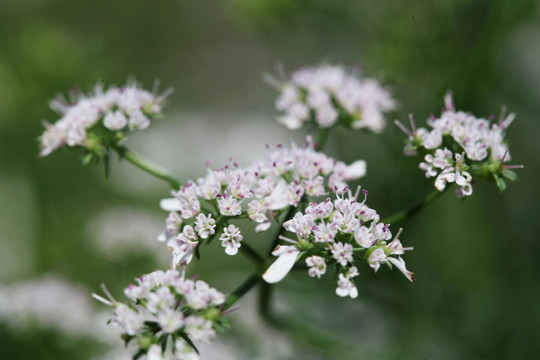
(229, 206)
(161, 298)
(342, 253)
(154, 353)
(204, 225)
(117, 109)
(184, 351)
(230, 239)
(170, 320)
(377, 258)
(345, 285)
(199, 329)
(128, 319)
(328, 92)
(115, 120)
(300, 224)
(317, 266)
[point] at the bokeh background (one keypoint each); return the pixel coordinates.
(64, 228)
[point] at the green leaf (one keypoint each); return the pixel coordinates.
(501, 184)
(138, 354)
(188, 341)
(87, 159)
(510, 175)
(163, 342)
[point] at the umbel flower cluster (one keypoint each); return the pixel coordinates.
(330, 94)
(202, 209)
(100, 119)
(166, 313)
(460, 147)
(338, 232)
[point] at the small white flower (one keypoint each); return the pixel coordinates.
(204, 225)
(317, 266)
(115, 120)
(199, 329)
(345, 285)
(230, 239)
(154, 353)
(343, 253)
(377, 258)
(170, 320)
(229, 206)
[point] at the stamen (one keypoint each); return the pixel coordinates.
(411, 120)
(107, 292)
(281, 237)
(402, 128)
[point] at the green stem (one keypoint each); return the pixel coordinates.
(405, 214)
(147, 165)
(321, 139)
(252, 254)
(240, 291)
(265, 294)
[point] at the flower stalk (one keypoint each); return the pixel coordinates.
(147, 166)
(405, 214)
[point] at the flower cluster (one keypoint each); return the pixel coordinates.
(201, 209)
(329, 94)
(338, 232)
(460, 147)
(163, 307)
(100, 119)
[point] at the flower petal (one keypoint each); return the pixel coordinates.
(356, 170)
(400, 264)
(171, 204)
(281, 267)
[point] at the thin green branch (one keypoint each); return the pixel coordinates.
(405, 214)
(252, 254)
(147, 165)
(241, 290)
(320, 141)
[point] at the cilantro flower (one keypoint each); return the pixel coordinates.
(203, 209)
(339, 233)
(101, 119)
(460, 148)
(164, 306)
(330, 94)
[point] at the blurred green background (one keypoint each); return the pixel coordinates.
(477, 291)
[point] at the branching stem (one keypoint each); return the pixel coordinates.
(146, 165)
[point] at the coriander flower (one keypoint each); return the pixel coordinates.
(164, 306)
(101, 119)
(460, 148)
(330, 94)
(261, 193)
(338, 232)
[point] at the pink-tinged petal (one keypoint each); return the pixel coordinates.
(262, 227)
(162, 237)
(231, 250)
(356, 170)
(342, 292)
(171, 204)
(283, 264)
(291, 122)
(400, 264)
(278, 198)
